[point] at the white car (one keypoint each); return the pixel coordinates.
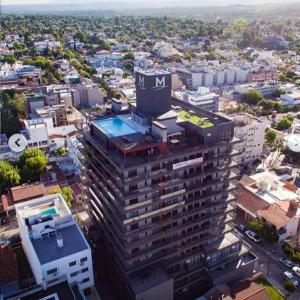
(253, 236)
(242, 227)
(296, 270)
(289, 276)
(286, 262)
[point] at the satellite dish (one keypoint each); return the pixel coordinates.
(293, 142)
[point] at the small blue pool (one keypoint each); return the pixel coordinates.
(114, 127)
(49, 212)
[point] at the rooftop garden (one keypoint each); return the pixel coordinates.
(194, 119)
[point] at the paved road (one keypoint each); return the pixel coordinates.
(276, 269)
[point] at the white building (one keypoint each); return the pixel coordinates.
(290, 98)
(163, 50)
(87, 95)
(53, 243)
(251, 131)
(36, 131)
(43, 45)
(203, 98)
(73, 145)
(266, 89)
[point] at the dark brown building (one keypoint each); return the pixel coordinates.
(159, 188)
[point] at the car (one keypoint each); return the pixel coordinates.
(241, 227)
(253, 236)
(286, 262)
(296, 270)
(289, 276)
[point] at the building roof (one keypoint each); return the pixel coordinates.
(25, 192)
(248, 290)
(8, 265)
(47, 249)
(279, 214)
(249, 201)
(22, 193)
(61, 290)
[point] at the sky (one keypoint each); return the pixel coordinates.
(199, 2)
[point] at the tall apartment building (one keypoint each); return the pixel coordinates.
(251, 131)
(157, 182)
(53, 243)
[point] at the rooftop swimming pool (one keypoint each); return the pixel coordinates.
(49, 212)
(114, 127)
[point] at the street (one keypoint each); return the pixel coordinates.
(276, 269)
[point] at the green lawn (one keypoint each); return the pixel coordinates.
(194, 119)
(273, 293)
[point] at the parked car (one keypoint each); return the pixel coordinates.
(253, 236)
(241, 227)
(296, 270)
(286, 262)
(289, 276)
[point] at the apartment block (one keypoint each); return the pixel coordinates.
(203, 98)
(251, 131)
(53, 243)
(157, 181)
(57, 112)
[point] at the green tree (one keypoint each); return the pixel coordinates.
(32, 163)
(13, 107)
(270, 136)
(266, 104)
(279, 91)
(9, 58)
(61, 151)
(253, 97)
(288, 285)
(67, 194)
(129, 55)
(9, 176)
(285, 122)
(267, 232)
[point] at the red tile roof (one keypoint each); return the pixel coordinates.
(22, 193)
(248, 290)
(279, 213)
(249, 201)
(26, 192)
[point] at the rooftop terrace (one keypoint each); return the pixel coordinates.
(34, 210)
(47, 249)
(194, 119)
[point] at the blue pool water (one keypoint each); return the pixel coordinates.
(49, 212)
(114, 127)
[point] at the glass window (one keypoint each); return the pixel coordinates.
(85, 280)
(72, 263)
(52, 271)
(73, 274)
(83, 259)
(84, 270)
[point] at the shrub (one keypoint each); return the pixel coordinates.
(288, 285)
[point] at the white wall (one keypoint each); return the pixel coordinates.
(291, 229)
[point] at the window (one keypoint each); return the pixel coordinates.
(83, 259)
(73, 274)
(84, 270)
(52, 271)
(85, 280)
(134, 226)
(72, 263)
